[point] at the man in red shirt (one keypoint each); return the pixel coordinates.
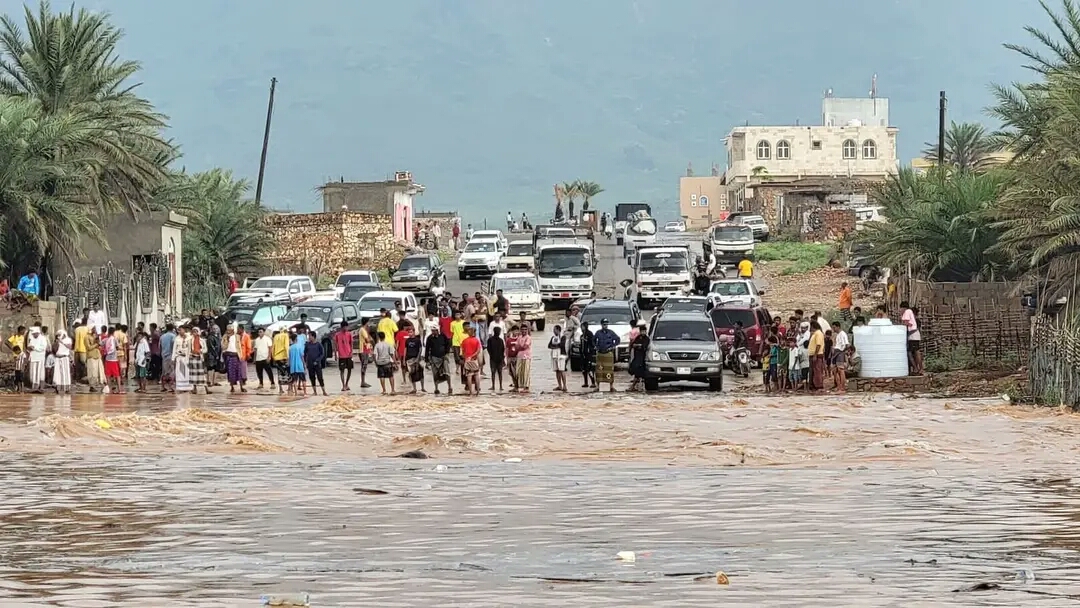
(343, 348)
(233, 285)
(470, 354)
(400, 337)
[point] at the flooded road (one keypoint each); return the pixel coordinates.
(823, 501)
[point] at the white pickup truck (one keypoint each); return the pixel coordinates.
(661, 272)
(564, 268)
(284, 289)
(522, 291)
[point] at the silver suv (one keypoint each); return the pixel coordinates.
(683, 347)
(757, 225)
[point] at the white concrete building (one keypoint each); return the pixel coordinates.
(776, 154)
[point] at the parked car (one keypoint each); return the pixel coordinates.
(252, 317)
(621, 316)
(756, 223)
(676, 226)
(491, 234)
(370, 305)
(419, 273)
(754, 319)
(322, 317)
(480, 257)
(354, 291)
(284, 289)
(349, 277)
(683, 347)
(861, 262)
(743, 292)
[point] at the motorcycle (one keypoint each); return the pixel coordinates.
(739, 361)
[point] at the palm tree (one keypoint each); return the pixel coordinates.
(968, 147)
(587, 191)
(226, 230)
(67, 62)
(45, 199)
(939, 225)
(1039, 215)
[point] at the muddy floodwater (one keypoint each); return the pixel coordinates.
(799, 501)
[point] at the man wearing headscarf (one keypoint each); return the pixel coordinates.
(37, 346)
(62, 369)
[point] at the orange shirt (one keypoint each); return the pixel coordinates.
(245, 347)
(845, 298)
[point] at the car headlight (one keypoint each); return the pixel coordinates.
(657, 356)
(713, 356)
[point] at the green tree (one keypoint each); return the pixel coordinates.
(587, 191)
(968, 147)
(67, 62)
(44, 196)
(939, 225)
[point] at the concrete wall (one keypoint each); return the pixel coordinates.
(814, 152)
(693, 191)
(324, 244)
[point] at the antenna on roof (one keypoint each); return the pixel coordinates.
(873, 87)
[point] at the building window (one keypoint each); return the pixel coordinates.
(763, 150)
(815, 145)
(703, 201)
(869, 149)
(783, 150)
(850, 149)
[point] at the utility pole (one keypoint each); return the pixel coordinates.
(941, 131)
(266, 143)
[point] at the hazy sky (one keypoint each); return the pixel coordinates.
(489, 102)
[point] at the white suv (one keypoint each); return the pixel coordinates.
(757, 225)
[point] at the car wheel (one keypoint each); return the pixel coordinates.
(462, 276)
(540, 323)
(652, 384)
(764, 237)
(716, 384)
(327, 350)
(865, 272)
(575, 364)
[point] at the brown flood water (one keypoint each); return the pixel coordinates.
(801, 501)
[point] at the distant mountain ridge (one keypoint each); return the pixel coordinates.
(490, 102)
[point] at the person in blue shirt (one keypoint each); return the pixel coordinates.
(296, 366)
(29, 283)
(314, 354)
(606, 340)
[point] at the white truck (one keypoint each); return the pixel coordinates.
(728, 242)
(640, 230)
(564, 268)
(522, 291)
(661, 272)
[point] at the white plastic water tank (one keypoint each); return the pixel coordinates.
(854, 122)
(883, 348)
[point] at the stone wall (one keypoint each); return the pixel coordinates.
(903, 384)
(827, 224)
(445, 220)
(44, 314)
(324, 244)
(811, 210)
(984, 320)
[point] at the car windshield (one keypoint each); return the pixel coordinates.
(733, 288)
(593, 316)
(519, 249)
(353, 293)
(558, 233)
(369, 304)
(354, 277)
(517, 285)
(732, 233)
(480, 247)
(727, 317)
(667, 329)
(270, 284)
(418, 263)
(242, 315)
(662, 261)
(315, 314)
(672, 224)
(573, 262)
(683, 304)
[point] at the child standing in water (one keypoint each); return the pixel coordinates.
(496, 356)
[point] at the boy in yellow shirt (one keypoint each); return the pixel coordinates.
(388, 328)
